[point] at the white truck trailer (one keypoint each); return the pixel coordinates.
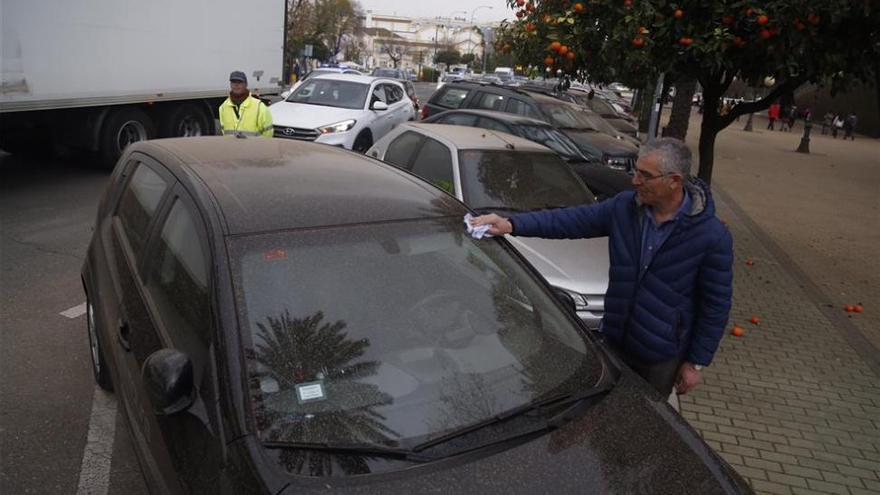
(100, 74)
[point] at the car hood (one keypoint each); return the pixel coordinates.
(631, 441)
(306, 116)
(604, 142)
(579, 265)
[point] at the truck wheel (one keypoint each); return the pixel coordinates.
(363, 142)
(123, 127)
(185, 120)
(99, 362)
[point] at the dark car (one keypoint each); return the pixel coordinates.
(284, 317)
(592, 135)
(603, 181)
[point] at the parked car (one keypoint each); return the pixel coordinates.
(447, 78)
(603, 181)
(589, 134)
(501, 173)
(390, 73)
(342, 110)
(280, 317)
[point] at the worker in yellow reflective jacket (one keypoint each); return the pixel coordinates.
(242, 115)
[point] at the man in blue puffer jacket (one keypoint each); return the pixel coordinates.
(671, 283)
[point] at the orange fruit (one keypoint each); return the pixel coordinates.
(737, 331)
(858, 308)
(849, 308)
(755, 320)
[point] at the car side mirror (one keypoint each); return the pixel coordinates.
(167, 375)
(379, 106)
(566, 299)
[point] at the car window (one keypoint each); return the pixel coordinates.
(402, 149)
(434, 164)
(564, 117)
(331, 93)
(378, 94)
(178, 279)
(452, 97)
(393, 93)
(494, 125)
(518, 181)
(489, 101)
(396, 333)
(520, 107)
(138, 204)
(458, 119)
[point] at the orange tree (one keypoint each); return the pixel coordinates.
(790, 42)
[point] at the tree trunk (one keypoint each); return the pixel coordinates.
(644, 105)
(680, 117)
(708, 132)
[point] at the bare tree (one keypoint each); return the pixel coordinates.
(395, 52)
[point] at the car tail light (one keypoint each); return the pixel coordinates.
(425, 112)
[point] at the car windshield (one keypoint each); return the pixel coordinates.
(398, 333)
(597, 122)
(518, 181)
(392, 73)
(565, 117)
(550, 138)
(331, 93)
(318, 72)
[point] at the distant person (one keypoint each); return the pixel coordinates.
(836, 125)
(773, 115)
(849, 126)
(242, 115)
(297, 71)
(827, 120)
(783, 119)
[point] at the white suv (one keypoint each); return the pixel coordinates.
(344, 110)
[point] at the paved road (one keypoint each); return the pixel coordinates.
(47, 210)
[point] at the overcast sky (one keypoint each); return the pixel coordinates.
(446, 8)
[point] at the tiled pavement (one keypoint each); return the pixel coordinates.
(791, 405)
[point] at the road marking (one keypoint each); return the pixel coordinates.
(94, 475)
(74, 312)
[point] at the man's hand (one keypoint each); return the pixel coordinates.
(688, 378)
(499, 224)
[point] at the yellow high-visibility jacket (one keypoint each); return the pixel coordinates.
(253, 118)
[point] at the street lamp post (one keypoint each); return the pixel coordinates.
(471, 27)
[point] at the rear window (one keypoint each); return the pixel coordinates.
(452, 97)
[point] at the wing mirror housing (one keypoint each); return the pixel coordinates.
(167, 375)
(379, 106)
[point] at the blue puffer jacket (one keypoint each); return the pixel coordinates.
(680, 306)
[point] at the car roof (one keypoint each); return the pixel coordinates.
(263, 185)
(512, 118)
(358, 78)
(466, 137)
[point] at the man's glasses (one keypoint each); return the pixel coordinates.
(647, 176)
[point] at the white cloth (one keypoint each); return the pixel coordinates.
(477, 232)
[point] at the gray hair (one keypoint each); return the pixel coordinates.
(673, 156)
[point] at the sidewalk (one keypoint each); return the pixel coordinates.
(794, 404)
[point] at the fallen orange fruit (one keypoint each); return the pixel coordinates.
(755, 320)
(858, 308)
(749, 262)
(737, 331)
(849, 308)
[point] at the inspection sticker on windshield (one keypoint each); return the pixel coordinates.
(306, 392)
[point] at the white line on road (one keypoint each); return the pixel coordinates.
(94, 475)
(74, 312)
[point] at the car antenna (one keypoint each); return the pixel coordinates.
(507, 144)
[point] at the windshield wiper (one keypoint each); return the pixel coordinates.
(553, 422)
(365, 449)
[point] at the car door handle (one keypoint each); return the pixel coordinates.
(124, 334)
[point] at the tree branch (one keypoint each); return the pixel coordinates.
(756, 106)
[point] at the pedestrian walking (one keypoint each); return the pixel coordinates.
(242, 115)
(773, 115)
(827, 119)
(297, 71)
(849, 126)
(670, 286)
(783, 119)
(836, 125)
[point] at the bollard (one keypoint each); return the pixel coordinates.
(805, 139)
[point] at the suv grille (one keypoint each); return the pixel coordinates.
(295, 133)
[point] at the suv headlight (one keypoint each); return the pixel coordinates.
(617, 162)
(343, 126)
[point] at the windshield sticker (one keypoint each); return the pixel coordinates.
(307, 392)
(269, 385)
(275, 254)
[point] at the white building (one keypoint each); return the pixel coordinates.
(415, 41)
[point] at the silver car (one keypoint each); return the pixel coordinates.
(496, 172)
